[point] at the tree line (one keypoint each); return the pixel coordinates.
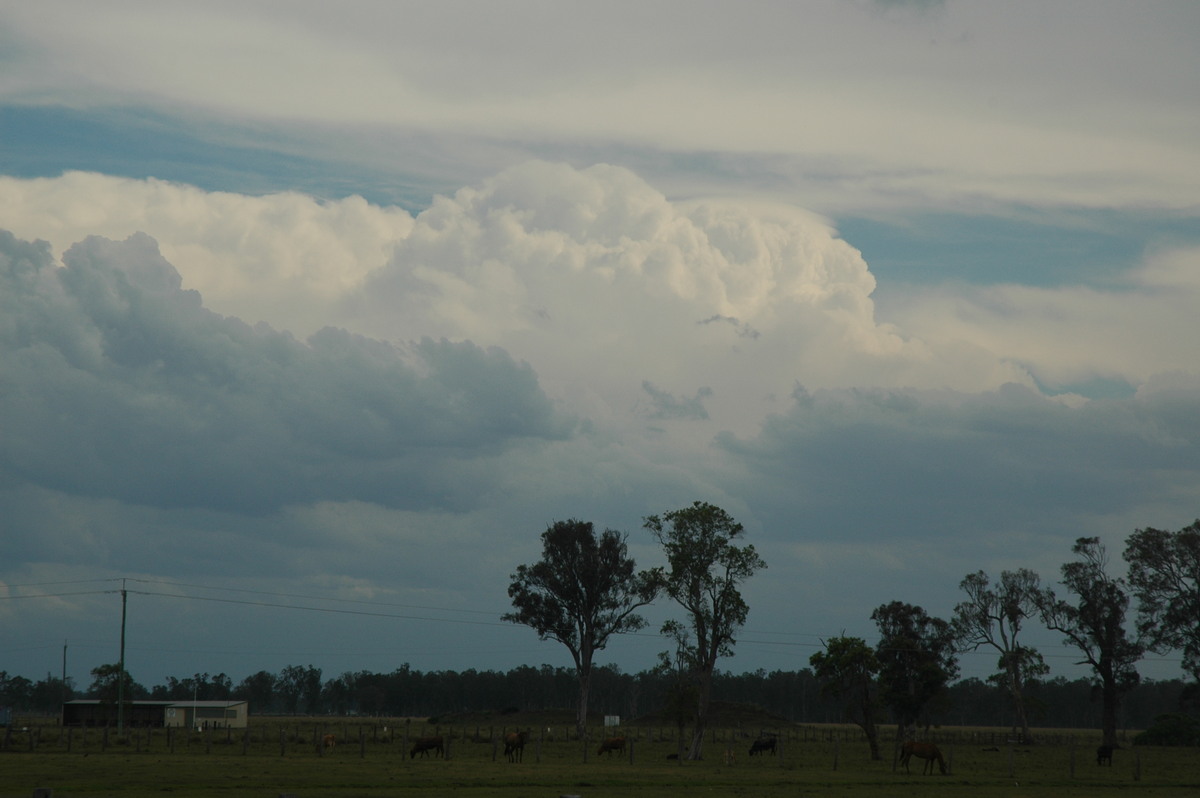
(586, 588)
(795, 696)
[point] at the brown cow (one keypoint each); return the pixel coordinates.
(611, 745)
(514, 745)
(927, 751)
(424, 745)
(329, 742)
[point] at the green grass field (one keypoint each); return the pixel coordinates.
(808, 764)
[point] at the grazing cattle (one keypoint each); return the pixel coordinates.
(762, 745)
(514, 745)
(611, 746)
(730, 757)
(424, 745)
(927, 751)
(1104, 754)
(328, 742)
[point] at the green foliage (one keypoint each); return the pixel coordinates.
(1095, 624)
(583, 591)
(1164, 573)
(916, 659)
(1172, 729)
(994, 616)
(848, 669)
(705, 568)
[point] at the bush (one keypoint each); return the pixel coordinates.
(1173, 729)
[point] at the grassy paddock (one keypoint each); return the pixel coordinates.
(279, 755)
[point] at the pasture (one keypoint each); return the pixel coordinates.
(286, 756)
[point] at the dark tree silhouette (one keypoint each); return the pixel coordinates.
(848, 670)
(1096, 626)
(704, 569)
(583, 591)
(1164, 572)
(993, 616)
(916, 661)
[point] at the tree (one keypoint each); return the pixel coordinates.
(916, 661)
(705, 567)
(106, 684)
(1164, 572)
(294, 683)
(583, 591)
(258, 690)
(993, 617)
(1096, 626)
(848, 670)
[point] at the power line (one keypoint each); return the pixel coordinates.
(309, 597)
(333, 610)
(788, 644)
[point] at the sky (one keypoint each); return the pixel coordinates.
(313, 317)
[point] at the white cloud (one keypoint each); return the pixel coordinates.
(119, 383)
(549, 343)
(1078, 103)
(1140, 326)
(280, 258)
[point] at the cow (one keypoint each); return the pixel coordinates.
(329, 742)
(424, 745)
(762, 745)
(927, 751)
(1104, 754)
(514, 745)
(612, 745)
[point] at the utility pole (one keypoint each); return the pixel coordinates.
(64, 674)
(121, 670)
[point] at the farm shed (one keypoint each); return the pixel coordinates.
(200, 714)
(207, 714)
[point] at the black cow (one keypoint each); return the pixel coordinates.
(1104, 754)
(763, 745)
(424, 745)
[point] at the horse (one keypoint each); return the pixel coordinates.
(329, 742)
(424, 745)
(762, 745)
(1104, 754)
(514, 745)
(927, 751)
(611, 745)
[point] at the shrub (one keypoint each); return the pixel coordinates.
(1172, 729)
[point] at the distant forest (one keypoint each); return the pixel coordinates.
(792, 695)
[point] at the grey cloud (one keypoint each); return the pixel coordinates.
(743, 330)
(119, 383)
(873, 465)
(665, 405)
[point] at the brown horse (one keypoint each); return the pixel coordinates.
(424, 745)
(927, 751)
(329, 742)
(514, 745)
(612, 745)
